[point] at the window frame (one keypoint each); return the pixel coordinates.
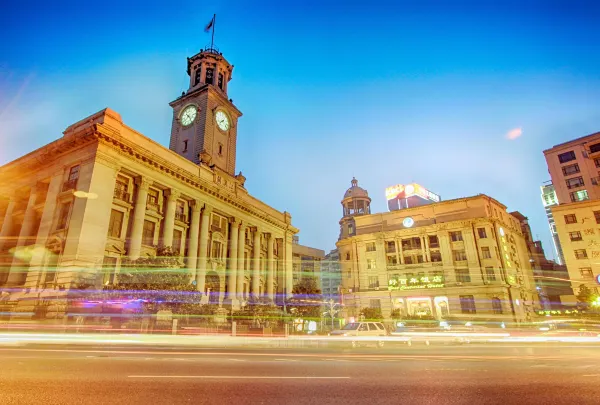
(577, 238)
(574, 193)
(578, 254)
(570, 218)
(482, 233)
(588, 272)
(467, 304)
(490, 273)
(458, 234)
(462, 275)
(112, 232)
(146, 230)
(572, 165)
(567, 157)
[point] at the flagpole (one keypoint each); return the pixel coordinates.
(212, 40)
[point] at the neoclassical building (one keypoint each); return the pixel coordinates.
(104, 192)
(464, 258)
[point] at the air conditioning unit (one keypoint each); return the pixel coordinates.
(459, 283)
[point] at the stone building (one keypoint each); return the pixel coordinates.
(306, 262)
(464, 258)
(104, 192)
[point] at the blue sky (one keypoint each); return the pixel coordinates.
(391, 93)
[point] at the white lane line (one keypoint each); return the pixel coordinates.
(241, 377)
(336, 360)
(236, 360)
(285, 360)
(591, 375)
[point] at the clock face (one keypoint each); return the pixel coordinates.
(189, 115)
(222, 120)
(408, 222)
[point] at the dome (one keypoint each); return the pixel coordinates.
(355, 191)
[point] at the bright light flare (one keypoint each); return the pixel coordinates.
(514, 133)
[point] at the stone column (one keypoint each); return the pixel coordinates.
(17, 273)
(256, 264)
(192, 259)
(202, 254)
(139, 214)
(232, 273)
(288, 266)
(8, 222)
(270, 266)
(400, 252)
(169, 221)
(240, 262)
(423, 249)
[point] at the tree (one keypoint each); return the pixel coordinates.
(585, 296)
(260, 312)
(371, 314)
(306, 300)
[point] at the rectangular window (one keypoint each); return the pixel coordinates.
(597, 162)
(392, 260)
(148, 233)
(485, 252)
(177, 236)
(185, 146)
(215, 249)
(580, 195)
(390, 246)
(595, 148)
(497, 306)
(433, 241)
(370, 246)
(122, 188)
(408, 260)
(350, 229)
(586, 272)
(467, 304)
(436, 257)
(463, 275)
(180, 211)
(570, 219)
(209, 76)
(419, 258)
(597, 216)
(109, 269)
(412, 243)
(456, 236)
(575, 236)
(580, 254)
(481, 232)
(220, 83)
(370, 264)
(490, 274)
(575, 182)
(570, 169)
(566, 157)
(197, 75)
(459, 255)
(375, 303)
(152, 197)
(373, 282)
(115, 223)
(63, 215)
(74, 173)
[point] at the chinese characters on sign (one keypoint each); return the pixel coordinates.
(416, 282)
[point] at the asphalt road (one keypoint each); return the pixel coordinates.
(472, 374)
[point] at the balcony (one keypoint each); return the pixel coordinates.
(152, 205)
(122, 195)
(435, 245)
(411, 246)
(390, 249)
(69, 185)
(180, 216)
(215, 228)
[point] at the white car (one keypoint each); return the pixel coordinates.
(361, 332)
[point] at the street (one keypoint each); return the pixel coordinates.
(445, 374)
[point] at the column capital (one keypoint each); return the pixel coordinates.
(196, 205)
(172, 195)
(235, 222)
(207, 209)
(252, 228)
(143, 182)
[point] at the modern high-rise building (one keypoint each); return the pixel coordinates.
(574, 168)
(465, 258)
(331, 276)
(306, 262)
(104, 193)
(549, 200)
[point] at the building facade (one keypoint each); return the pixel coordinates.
(104, 193)
(331, 276)
(306, 262)
(549, 200)
(573, 168)
(578, 227)
(464, 258)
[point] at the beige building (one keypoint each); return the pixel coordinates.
(574, 168)
(104, 192)
(463, 258)
(578, 227)
(306, 262)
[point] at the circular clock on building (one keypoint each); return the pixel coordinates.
(408, 222)
(222, 120)
(189, 115)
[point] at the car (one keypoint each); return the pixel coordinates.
(361, 332)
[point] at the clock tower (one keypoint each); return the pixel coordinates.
(204, 128)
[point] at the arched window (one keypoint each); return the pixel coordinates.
(197, 75)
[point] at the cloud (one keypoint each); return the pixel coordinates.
(514, 133)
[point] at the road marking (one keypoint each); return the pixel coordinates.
(591, 375)
(241, 377)
(237, 360)
(285, 360)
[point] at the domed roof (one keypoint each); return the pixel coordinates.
(355, 191)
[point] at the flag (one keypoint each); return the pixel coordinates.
(209, 25)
